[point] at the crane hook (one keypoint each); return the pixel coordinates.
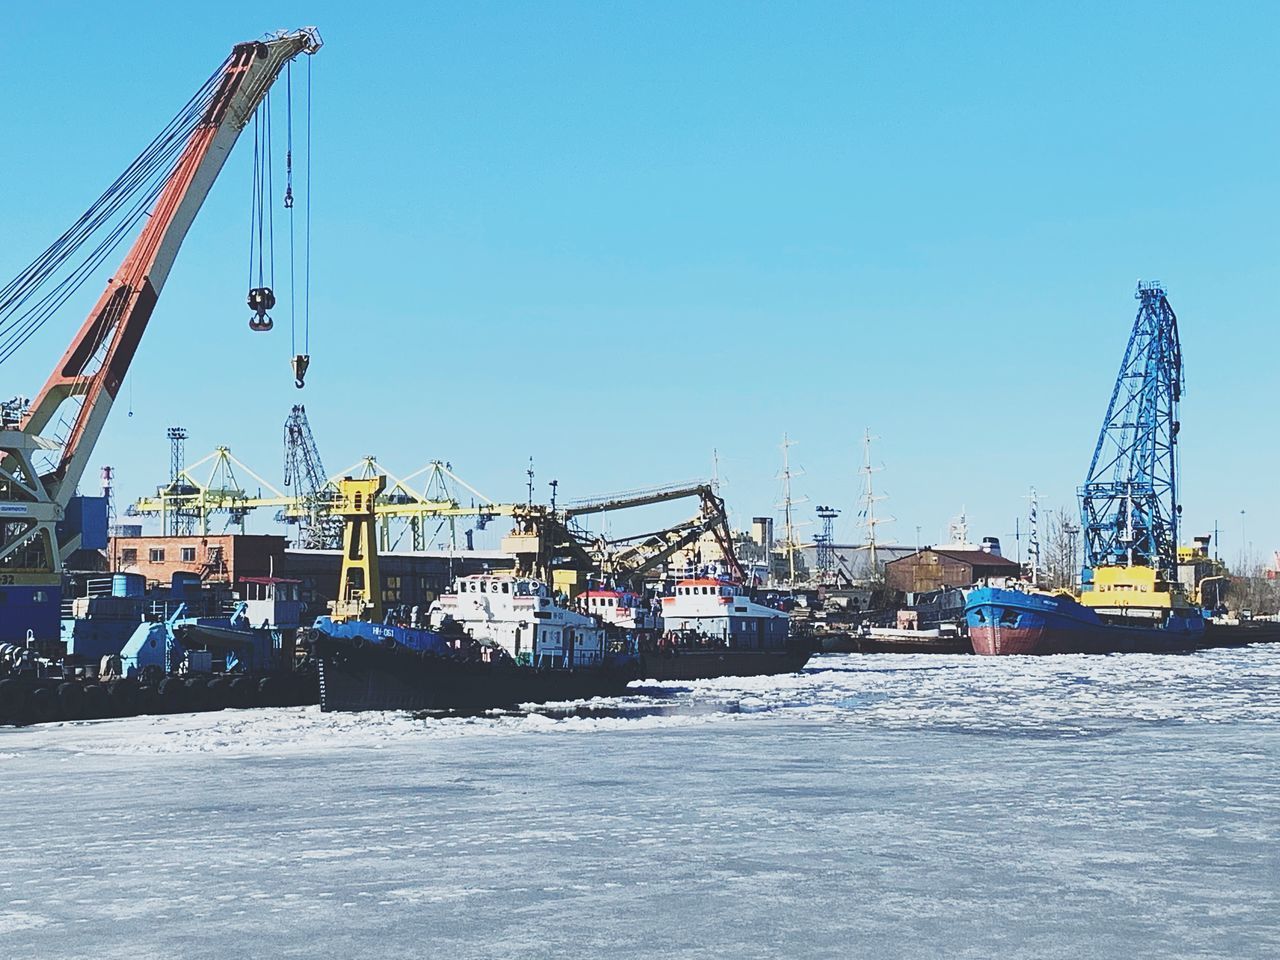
(300, 364)
(261, 299)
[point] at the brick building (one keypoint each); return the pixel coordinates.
(223, 558)
(408, 578)
(930, 569)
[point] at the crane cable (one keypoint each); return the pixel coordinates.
(262, 239)
(306, 309)
(31, 298)
(301, 361)
(288, 204)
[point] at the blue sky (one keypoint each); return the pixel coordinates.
(616, 237)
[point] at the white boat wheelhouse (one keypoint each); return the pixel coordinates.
(723, 610)
(517, 614)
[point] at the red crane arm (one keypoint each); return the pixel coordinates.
(95, 364)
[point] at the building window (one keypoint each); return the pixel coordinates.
(156, 555)
(129, 555)
(188, 554)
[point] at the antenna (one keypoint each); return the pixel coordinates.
(1033, 539)
(108, 494)
(529, 473)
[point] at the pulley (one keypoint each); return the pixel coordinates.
(300, 363)
(261, 299)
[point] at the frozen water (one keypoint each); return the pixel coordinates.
(888, 806)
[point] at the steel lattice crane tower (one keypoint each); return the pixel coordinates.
(319, 528)
(825, 542)
(1129, 504)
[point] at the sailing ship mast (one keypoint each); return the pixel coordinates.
(869, 499)
(788, 525)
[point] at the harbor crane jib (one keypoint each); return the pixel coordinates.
(163, 189)
(1129, 503)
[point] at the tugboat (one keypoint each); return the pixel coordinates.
(712, 628)
(495, 641)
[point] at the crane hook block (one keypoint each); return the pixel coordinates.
(300, 364)
(261, 299)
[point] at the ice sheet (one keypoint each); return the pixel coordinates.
(894, 806)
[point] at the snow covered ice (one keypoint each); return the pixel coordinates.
(884, 806)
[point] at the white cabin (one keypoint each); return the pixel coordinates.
(518, 615)
(618, 608)
(723, 610)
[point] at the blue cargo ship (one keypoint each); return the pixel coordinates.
(1005, 621)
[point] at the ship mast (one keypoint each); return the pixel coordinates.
(869, 499)
(1033, 539)
(788, 525)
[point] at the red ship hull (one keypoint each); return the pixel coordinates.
(1012, 623)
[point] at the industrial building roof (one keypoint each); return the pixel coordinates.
(978, 558)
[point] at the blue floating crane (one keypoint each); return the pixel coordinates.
(1129, 504)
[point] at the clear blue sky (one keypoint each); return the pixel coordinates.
(617, 236)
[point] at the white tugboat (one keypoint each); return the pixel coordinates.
(619, 608)
(712, 628)
(495, 640)
(516, 614)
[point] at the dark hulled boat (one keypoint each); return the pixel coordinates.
(407, 669)
(713, 628)
(494, 641)
(708, 664)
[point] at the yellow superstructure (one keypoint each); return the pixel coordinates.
(359, 585)
(1133, 590)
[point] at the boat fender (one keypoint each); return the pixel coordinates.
(358, 642)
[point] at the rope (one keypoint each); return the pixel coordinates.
(44, 285)
(254, 193)
(306, 310)
(271, 191)
(288, 202)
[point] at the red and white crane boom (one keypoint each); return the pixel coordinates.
(39, 472)
(94, 365)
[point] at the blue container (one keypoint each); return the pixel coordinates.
(128, 585)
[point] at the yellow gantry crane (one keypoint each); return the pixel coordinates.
(545, 542)
(359, 584)
(211, 488)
